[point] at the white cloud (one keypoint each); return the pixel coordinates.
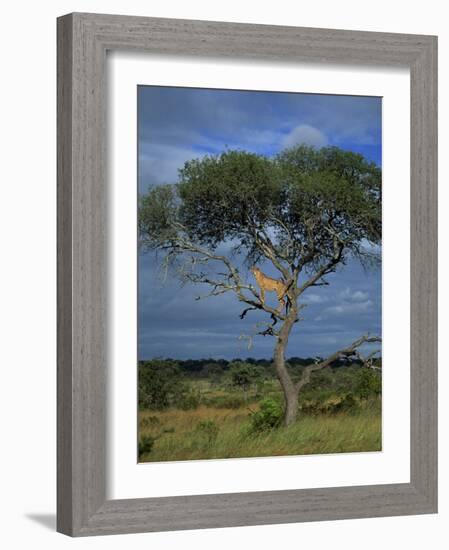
(353, 296)
(359, 296)
(160, 164)
(305, 134)
(348, 309)
(314, 299)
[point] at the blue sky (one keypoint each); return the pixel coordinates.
(178, 124)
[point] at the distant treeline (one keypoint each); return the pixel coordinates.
(205, 367)
(165, 383)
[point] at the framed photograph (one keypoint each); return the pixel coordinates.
(247, 281)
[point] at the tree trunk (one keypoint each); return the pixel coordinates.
(291, 408)
(287, 384)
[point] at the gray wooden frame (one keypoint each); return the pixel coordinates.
(83, 40)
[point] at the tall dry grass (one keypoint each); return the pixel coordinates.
(207, 432)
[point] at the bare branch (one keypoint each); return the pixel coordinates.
(249, 338)
(231, 282)
(245, 311)
(321, 283)
(349, 351)
(268, 249)
(368, 360)
(269, 331)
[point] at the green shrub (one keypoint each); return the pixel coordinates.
(330, 405)
(312, 407)
(322, 380)
(243, 376)
(268, 417)
(318, 395)
(368, 383)
(347, 403)
(160, 384)
(146, 443)
(189, 400)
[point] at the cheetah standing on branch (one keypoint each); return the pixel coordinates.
(267, 284)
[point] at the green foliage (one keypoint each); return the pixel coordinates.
(157, 210)
(220, 193)
(348, 403)
(333, 418)
(368, 383)
(332, 405)
(322, 380)
(189, 399)
(213, 372)
(158, 391)
(160, 384)
(269, 416)
(304, 193)
(146, 443)
(243, 375)
(339, 390)
(331, 187)
(337, 382)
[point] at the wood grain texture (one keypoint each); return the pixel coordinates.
(64, 278)
(423, 288)
(83, 40)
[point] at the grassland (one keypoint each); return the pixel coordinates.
(311, 434)
(220, 423)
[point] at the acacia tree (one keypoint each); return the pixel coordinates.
(305, 211)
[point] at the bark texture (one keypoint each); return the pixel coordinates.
(288, 386)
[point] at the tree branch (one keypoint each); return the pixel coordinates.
(268, 249)
(232, 282)
(324, 270)
(349, 351)
(368, 360)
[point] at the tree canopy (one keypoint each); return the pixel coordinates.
(243, 375)
(305, 207)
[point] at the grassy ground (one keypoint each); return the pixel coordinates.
(210, 432)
